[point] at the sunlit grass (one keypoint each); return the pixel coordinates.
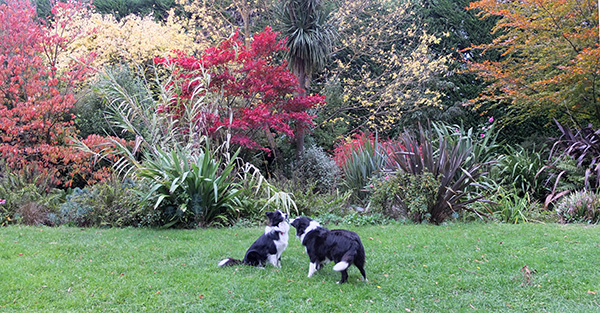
(421, 268)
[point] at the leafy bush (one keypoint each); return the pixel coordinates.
(582, 206)
(563, 176)
(401, 194)
(122, 8)
(480, 141)
(508, 206)
(28, 197)
(109, 204)
(583, 147)
(309, 200)
(448, 163)
(354, 219)
(316, 165)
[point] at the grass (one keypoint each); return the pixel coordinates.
(411, 268)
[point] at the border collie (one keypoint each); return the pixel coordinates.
(323, 245)
(269, 246)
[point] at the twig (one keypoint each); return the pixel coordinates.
(470, 271)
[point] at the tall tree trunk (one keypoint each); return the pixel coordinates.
(245, 9)
(303, 80)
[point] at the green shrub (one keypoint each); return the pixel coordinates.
(310, 200)
(27, 198)
(508, 206)
(257, 195)
(579, 207)
(401, 194)
(108, 204)
(480, 141)
(317, 166)
(122, 8)
(353, 218)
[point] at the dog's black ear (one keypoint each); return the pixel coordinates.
(295, 222)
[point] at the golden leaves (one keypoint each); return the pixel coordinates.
(387, 66)
(133, 38)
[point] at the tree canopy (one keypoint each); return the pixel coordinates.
(551, 60)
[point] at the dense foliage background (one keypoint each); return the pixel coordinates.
(188, 113)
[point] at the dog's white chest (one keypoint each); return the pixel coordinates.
(282, 243)
(283, 230)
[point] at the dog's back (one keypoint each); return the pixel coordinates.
(322, 245)
(349, 250)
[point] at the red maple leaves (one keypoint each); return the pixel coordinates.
(259, 93)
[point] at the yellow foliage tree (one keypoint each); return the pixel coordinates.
(132, 39)
(214, 20)
(383, 63)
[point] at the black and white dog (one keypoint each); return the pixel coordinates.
(269, 246)
(323, 245)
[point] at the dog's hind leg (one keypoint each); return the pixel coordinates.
(362, 271)
(344, 277)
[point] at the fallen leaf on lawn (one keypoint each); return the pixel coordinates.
(591, 292)
(157, 292)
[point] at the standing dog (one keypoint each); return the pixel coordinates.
(323, 245)
(269, 246)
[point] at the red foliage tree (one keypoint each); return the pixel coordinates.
(259, 93)
(36, 98)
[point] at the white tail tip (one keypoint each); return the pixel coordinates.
(340, 266)
(223, 262)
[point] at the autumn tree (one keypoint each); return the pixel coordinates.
(36, 96)
(260, 96)
(131, 39)
(383, 67)
(551, 60)
(215, 20)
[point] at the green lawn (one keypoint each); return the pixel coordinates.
(411, 268)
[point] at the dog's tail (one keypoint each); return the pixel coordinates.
(347, 259)
(229, 262)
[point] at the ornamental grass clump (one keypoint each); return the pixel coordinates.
(579, 207)
(359, 159)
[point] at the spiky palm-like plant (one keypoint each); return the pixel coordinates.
(449, 165)
(309, 43)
